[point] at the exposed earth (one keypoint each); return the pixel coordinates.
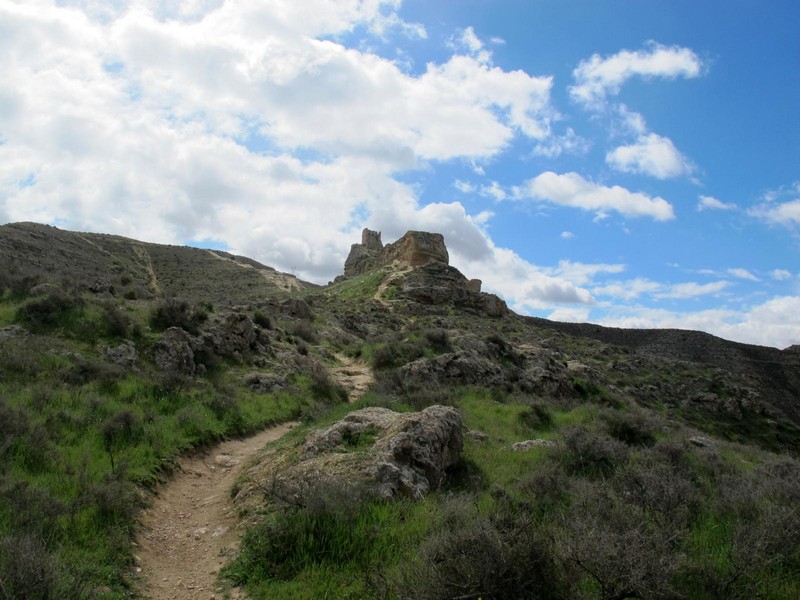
(191, 529)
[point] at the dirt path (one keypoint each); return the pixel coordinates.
(190, 531)
(276, 278)
(386, 282)
(354, 375)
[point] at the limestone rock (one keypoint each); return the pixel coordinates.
(265, 383)
(387, 453)
(174, 353)
(123, 355)
(231, 335)
(13, 331)
(531, 444)
(416, 248)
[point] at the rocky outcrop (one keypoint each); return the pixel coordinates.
(174, 352)
(437, 283)
(231, 335)
(389, 454)
(414, 249)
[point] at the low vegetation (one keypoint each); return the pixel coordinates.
(643, 476)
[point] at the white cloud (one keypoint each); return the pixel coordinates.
(786, 213)
(583, 273)
(569, 143)
(692, 289)
(711, 203)
(465, 187)
(651, 154)
(567, 235)
(570, 314)
(597, 78)
(140, 119)
(742, 274)
(780, 274)
(628, 290)
(773, 323)
(570, 189)
(494, 190)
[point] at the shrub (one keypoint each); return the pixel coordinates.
(321, 384)
(54, 310)
(473, 556)
(119, 430)
(438, 340)
(262, 320)
(634, 427)
(588, 453)
(305, 331)
(610, 543)
(326, 523)
(536, 416)
(176, 312)
(115, 499)
(27, 570)
(116, 323)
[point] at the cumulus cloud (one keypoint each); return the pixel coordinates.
(569, 143)
(772, 323)
(465, 187)
(786, 213)
(780, 206)
(651, 154)
(494, 190)
(567, 235)
(711, 203)
(598, 77)
(570, 189)
(247, 123)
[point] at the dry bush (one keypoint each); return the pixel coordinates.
(634, 427)
(474, 556)
(27, 570)
(176, 312)
(588, 453)
(612, 543)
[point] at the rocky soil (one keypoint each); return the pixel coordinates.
(190, 531)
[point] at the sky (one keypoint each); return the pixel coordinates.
(627, 163)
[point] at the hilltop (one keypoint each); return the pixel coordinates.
(119, 356)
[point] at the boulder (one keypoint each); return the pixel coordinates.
(385, 453)
(531, 444)
(264, 383)
(174, 353)
(123, 355)
(231, 335)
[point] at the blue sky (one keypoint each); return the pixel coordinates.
(627, 163)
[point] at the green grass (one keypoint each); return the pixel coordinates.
(359, 288)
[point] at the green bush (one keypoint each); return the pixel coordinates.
(176, 312)
(54, 310)
(588, 453)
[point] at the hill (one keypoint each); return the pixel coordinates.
(589, 462)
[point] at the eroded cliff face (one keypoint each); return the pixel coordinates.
(414, 249)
